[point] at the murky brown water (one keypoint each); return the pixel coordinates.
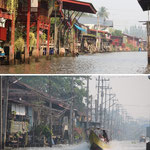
(102, 63)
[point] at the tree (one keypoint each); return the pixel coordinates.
(60, 87)
(117, 33)
(103, 13)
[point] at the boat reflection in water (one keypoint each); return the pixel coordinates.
(98, 139)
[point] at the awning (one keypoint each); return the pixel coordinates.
(145, 4)
(78, 6)
(79, 28)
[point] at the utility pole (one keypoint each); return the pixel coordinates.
(112, 117)
(91, 108)
(71, 113)
(0, 112)
(87, 113)
(5, 108)
(50, 106)
(105, 106)
(109, 118)
(97, 101)
(102, 99)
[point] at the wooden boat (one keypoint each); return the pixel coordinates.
(96, 142)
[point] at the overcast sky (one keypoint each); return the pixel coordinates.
(133, 92)
(124, 13)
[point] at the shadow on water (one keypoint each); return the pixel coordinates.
(101, 63)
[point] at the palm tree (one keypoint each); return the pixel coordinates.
(103, 13)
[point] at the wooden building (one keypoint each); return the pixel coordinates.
(36, 15)
(26, 110)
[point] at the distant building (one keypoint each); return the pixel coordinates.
(92, 22)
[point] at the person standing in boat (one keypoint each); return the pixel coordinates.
(105, 136)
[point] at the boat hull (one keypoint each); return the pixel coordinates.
(96, 142)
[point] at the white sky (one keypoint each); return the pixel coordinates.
(133, 92)
(124, 13)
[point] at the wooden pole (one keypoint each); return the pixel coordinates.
(1, 112)
(38, 30)
(55, 34)
(48, 38)
(28, 32)
(12, 49)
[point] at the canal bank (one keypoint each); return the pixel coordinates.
(115, 63)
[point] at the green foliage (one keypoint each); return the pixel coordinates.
(42, 130)
(137, 31)
(12, 5)
(18, 32)
(131, 47)
(32, 39)
(43, 37)
(53, 20)
(103, 12)
(19, 44)
(60, 87)
(117, 33)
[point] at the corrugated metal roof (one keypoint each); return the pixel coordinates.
(145, 4)
(78, 6)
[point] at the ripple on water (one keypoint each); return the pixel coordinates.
(101, 63)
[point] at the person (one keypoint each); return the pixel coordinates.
(105, 136)
(140, 49)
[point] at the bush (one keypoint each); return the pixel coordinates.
(32, 39)
(19, 44)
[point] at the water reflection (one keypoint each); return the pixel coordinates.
(103, 63)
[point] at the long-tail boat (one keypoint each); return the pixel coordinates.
(98, 141)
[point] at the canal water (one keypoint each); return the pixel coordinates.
(115, 145)
(101, 63)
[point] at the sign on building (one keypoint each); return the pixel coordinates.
(34, 5)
